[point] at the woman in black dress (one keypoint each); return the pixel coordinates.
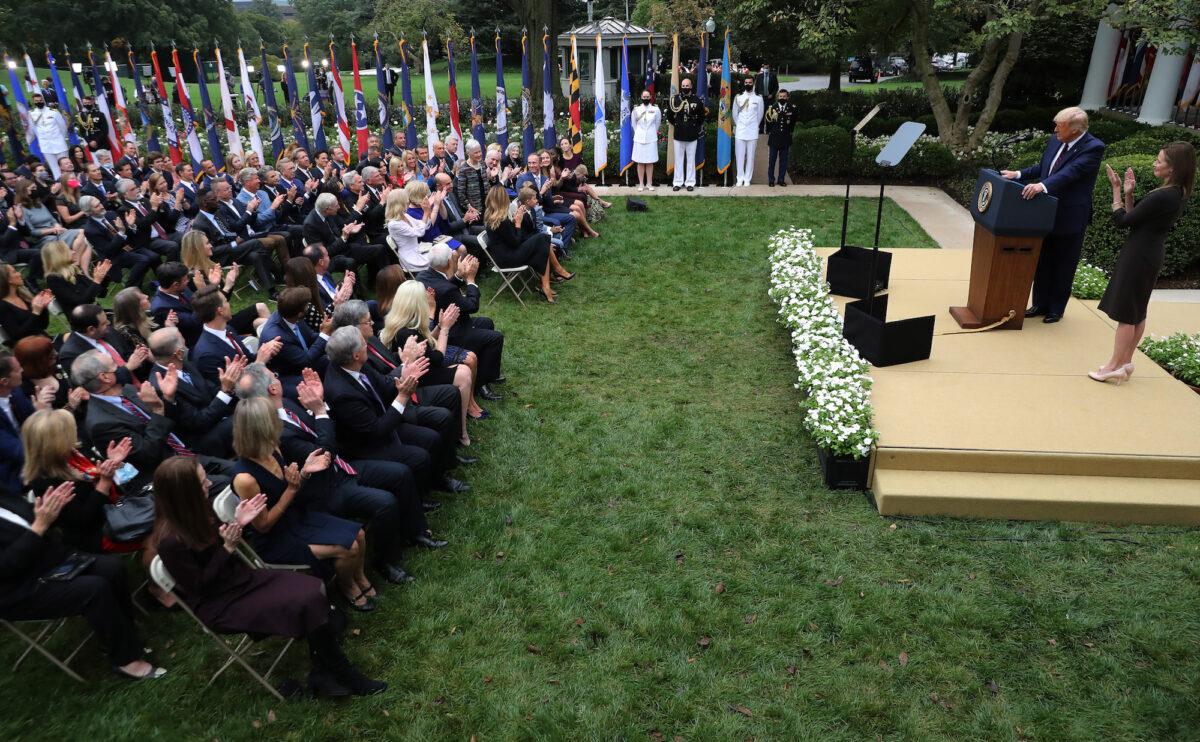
(229, 596)
(21, 313)
(1141, 258)
(287, 532)
(71, 286)
(408, 318)
(516, 241)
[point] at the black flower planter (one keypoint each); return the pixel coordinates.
(844, 472)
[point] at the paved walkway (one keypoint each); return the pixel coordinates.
(949, 224)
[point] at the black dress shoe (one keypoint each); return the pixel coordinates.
(1050, 319)
(466, 460)
(430, 543)
(770, 185)
(675, 188)
(430, 505)
(450, 484)
(486, 392)
(324, 685)
(690, 189)
(394, 573)
(1034, 311)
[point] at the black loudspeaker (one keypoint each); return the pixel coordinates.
(885, 343)
(636, 204)
(849, 269)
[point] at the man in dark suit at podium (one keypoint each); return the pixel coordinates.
(1068, 172)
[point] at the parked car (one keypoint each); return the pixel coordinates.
(897, 65)
(862, 68)
(943, 63)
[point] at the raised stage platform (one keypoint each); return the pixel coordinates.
(1006, 424)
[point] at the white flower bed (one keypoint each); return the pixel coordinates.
(836, 381)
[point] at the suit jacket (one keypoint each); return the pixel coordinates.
(24, 557)
(364, 430)
(234, 218)
(209, 354)
(12, 454)
(380, 358)
(102, 191)
(1072, 181)
(199, 413)
(452, 291)
(293, 358)
(204, 223)
(107, 423)
(189, 324)
(327, 231)
(106, 243)
(75, 346)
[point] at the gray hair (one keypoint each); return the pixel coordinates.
(343, 344)
(245, 174)
(439, 257)
(86, 369)
(102, 154)
(350, 313)
(123, 185)
(472, 146)
(1073, 115)
(349, 177)
(87, 203)
(165, 342)
(324, 201)
(370, 171)
(255, 382)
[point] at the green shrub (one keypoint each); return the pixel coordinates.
(1017, 119)
(1111, 131)
(820, 151)
(1090, 282)
(1102, 241)
(1179, 354)
(1150, 141)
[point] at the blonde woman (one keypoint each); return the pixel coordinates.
(287, 532)
(419, 194)
(408, 318)
(196, 253)
(70, 285)
(516, 241)
(405, 231)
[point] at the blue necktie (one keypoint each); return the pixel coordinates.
(367, 383)
(300, 337)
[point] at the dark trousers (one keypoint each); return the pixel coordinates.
(479, 336)
(134, 262)
(409, 452)
(383, 496)
(374, 257)
(1056, 271)
(166, 248)
(31, 257)
(441, 415)
(101, 595)
(773, 154)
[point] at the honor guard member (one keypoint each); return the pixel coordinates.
(747, 115)
(780, 121)
(686, 113)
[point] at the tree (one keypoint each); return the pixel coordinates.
(140, 22)
(1171, 25)
(539, 16)
(687, 17)
(408, 18)
(338, 18)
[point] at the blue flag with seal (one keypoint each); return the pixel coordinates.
(410, 124)
(626, 110)
(315, 111)
(299, 129)
(210, 117)
(477, 131)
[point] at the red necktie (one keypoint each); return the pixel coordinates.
(154, 226)
(116, 357)
(338, 460)
(389, 364)
(172, 440)
(233, 341)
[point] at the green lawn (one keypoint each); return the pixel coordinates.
(649, 552)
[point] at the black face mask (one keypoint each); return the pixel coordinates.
(40, 104)
(687, 91)
(749, 86)
(645, 101)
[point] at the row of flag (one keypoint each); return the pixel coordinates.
(186, 141)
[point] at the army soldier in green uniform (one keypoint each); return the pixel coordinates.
(780, 121)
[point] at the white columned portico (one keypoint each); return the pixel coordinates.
(1104, 53)
(1163, 87)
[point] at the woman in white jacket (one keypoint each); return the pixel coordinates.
(646, 120)
(406, 231)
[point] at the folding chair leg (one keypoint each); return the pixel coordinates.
(48, 631)
(42, 650)
(235, 652)
(235, 657)
(278, 658)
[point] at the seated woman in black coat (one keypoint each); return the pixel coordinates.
(21, 313)
(515, 241)
(1128, 293)
(42, 376)
(29, 559)
(229, 596)
(70, 285)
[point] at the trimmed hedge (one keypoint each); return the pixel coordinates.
(1150, 141)
(1103, 241)
(820, 151)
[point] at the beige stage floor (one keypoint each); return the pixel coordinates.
(1006, 424)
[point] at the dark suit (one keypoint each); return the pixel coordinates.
(209, 353)
(1071, 181)
(103, 191)
(189, 324)
(454, 225)
(369, 427)
(75, 345)
(12, 454)
(227, 249)
(294, 357)
(355, 252)
(117, 247)
(477, 334)
(202, 420)
(381, 494)
(142, 235)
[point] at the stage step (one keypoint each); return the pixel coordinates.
(1037, 496)
(1038, 462)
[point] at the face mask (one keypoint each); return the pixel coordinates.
(687, 91)
(645, 101)
(40, 104)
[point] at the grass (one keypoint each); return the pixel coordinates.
(649, 551)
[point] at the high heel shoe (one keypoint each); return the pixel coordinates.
(1128, 370)
(1119, 375)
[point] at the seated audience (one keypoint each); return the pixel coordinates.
(343, 239)
(220, 340)
(110, 236)
(91, 330)
(229, 596)
(408, 232)
(15, 409)
(202, 409)
(197, 256)
(67, 281)
(516, 241)
(300, 346)
(22, 314)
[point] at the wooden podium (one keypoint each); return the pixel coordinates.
(1008, 239)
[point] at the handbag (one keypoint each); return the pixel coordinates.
(131, 518)
(636, 204)
(70, 568)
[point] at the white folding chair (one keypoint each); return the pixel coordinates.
(36, 643)
(225, 506)
(509, 277)
(391, 243)
(166, 583)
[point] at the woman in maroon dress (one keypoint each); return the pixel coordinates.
(229, 596)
